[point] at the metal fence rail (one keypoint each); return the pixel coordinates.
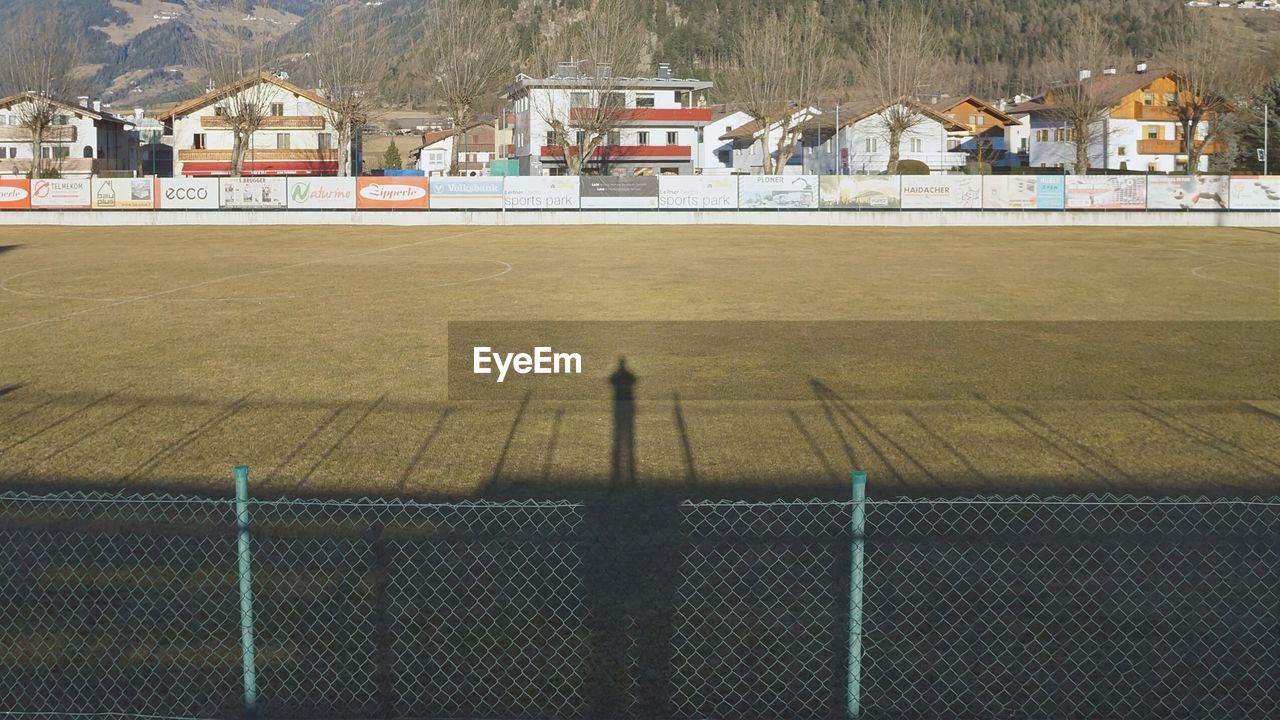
(1090, 607)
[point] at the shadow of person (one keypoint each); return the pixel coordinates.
(622, 464)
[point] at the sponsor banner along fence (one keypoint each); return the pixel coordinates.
(695, 192)
(1106, 192)
(187, 194)
(393, 193)
(670, 192)
(941, 192)
(1255, 192)
(623, 192)
(15, 194)
(540, 193)
(253, 193)
(870, 192)
(1023, 192)
(322, 193)
(466, 193)
(777, 192)
(1205, 192)
(123, 194)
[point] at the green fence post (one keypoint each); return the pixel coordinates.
(246, 594)
(858, 526)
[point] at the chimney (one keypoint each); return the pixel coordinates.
(137, 114)
(664, 71)
(83, 100)
(1109, 71)
(97, 106)
(1142, 66)
(1085, 74)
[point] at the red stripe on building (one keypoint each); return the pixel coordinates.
(271, 167)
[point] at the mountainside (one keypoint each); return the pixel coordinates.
(140, 50)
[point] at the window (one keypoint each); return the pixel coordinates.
(673, 138)
(1122, 151)
(325, 141)
(197, 141)
(277, 109)
(61, 120)
(1152, 167)
(1151, 132)
(642, 137)
(87, 152)
(871, 144)
(220, 111)
(615, 138)
(1042, 135)
(551, 138)
(579, 99)
(917, 145)
(1148, 98)
(1022, 144)
(615, 100)
(977, 120)
(1059, 135)
(282, 141)
(644, 100)
(1171, 99)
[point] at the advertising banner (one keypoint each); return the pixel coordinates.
(15, 194)
(540, 193)
(187, 194)
(1106, 192)
(870, 192)
(697, 192)
(124, 194)
(777, 192)
(942, 192)
(466, 193)
(253, 193)
(1023, 192)
(1204, 192)
(61, 194)
(629, 191)
(1255, 192)
(393, 193)
(322, 193)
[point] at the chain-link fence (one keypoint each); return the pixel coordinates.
(634, 606)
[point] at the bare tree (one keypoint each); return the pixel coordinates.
(41, 55)
(592, 56)
(466, 52)
(1210, 76)
(780, 65)
(1072, 98)
(344, 61)
(235, 70)
(900, 61)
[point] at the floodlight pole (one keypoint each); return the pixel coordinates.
(857, 528)
(246, 594)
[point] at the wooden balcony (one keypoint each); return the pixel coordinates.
(192, 155)
(1177, 147)
(52, 135)
(271, 122)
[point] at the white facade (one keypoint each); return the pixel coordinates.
(659, 130)
(748, 152)
(862, 148)
(82, 140)
(296, 137)
(1115, 145)
(716, 155)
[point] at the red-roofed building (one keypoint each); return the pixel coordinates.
(477, 147)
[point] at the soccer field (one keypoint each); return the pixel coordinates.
(159, 358)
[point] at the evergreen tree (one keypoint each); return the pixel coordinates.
(391, 158)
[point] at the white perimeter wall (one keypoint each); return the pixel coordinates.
(830, 218)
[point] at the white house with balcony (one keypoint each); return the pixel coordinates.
(658, 129)
(84, 139)
(295, 137)
(1138, 130)
(749, 141)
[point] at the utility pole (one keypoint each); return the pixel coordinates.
(1266, 138)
